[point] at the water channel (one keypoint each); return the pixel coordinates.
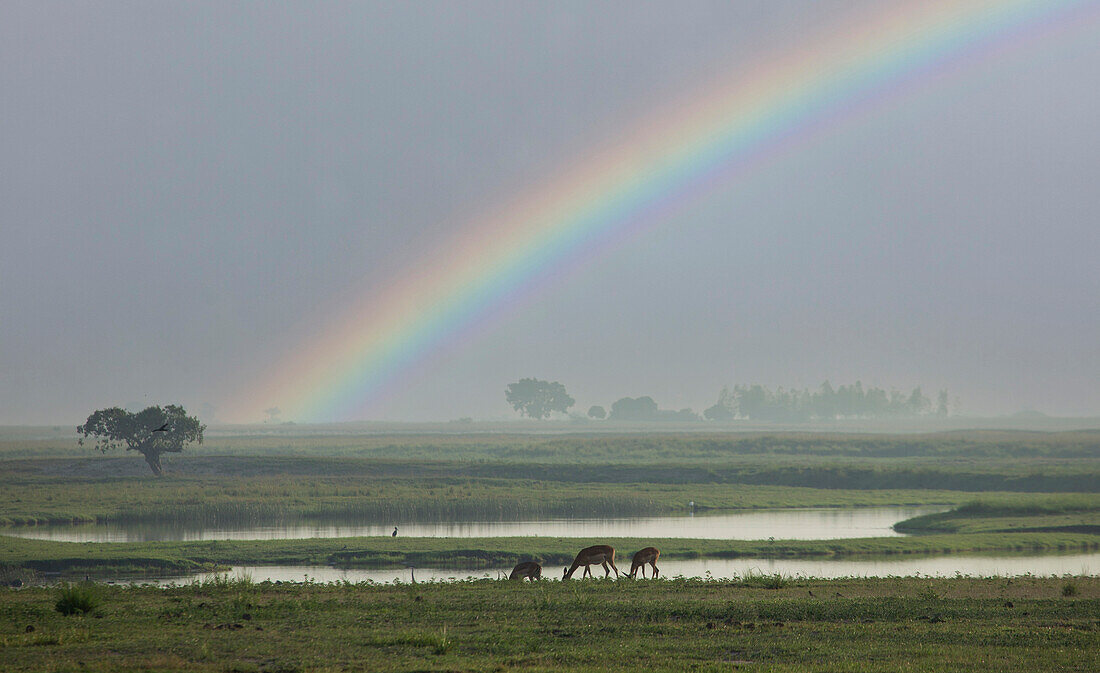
(929, 566)
(781, 524)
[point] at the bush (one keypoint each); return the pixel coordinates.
(755, 578)
(83, 597)
(1069, 589)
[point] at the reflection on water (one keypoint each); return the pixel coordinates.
(782, 524)
(935, 566)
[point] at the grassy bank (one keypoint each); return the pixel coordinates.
(71, 557)
(452, 476)
(224, 499)
(1063, 513)
(840, 625)
(227, 488)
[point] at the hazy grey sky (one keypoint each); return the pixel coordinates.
(187, 189)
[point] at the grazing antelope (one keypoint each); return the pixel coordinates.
(597, 554)
(648, 555)
(529, 569)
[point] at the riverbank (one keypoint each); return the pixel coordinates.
(593, 625)
(225, 489)
(1079, 514)
(188, 557)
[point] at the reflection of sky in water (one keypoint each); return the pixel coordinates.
(786, 524)
(939, 566)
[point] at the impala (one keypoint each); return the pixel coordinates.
(529, 569)
(597, 554)
(648, 555)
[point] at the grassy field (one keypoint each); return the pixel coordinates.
(199, 487)
(208, 489)
(575, 446)
(1024, 624)
(1011, 492)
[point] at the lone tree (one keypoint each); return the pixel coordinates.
(151, 432)
(538, 399)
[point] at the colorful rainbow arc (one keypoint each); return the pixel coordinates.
(662, 162)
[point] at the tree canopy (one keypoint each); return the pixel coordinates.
(760, 403)
(152, 432)
(634, 409)
(645, 409)
(538, 399)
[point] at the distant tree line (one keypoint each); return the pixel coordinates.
(539, 399)
(645, 409)
(756, 402)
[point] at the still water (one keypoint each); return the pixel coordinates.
(938, 566)
(782, 524)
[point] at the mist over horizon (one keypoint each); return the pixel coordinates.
(194, 194)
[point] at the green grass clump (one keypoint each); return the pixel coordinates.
(764, 580)
(439, 643)
(82, 597)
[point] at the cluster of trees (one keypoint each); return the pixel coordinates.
(645, 409)
(759, 403)
(539, 399)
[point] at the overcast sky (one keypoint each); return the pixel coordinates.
(188, 189)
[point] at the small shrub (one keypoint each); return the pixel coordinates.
(753, 578)
(1069, 589)
(83, 597)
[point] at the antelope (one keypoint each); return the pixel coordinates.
(648, 555)
(600, 553)
(529, 569)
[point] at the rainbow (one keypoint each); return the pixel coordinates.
(664, 161)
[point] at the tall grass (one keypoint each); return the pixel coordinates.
(761, 580)
(80, 597)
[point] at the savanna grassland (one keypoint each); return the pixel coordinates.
(896, 624)
(1006, 492)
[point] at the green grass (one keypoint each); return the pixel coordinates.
(268, 476)
(1062, 513)
(199, 489)
(967, 624)
(225, 499)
